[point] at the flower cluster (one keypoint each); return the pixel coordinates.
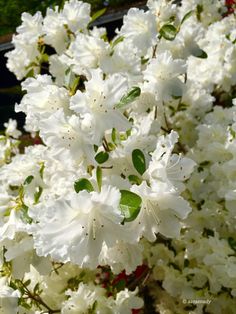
(128, 203)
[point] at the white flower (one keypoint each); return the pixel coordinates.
(122, 256)
(161, 211)
(211, 10)
(140, 28)
(61, 132)
(162, 9)
(161, 76)
(75, 230)
(57, 69)
(168, 167)
(84, 299)
(42, 99)
(21, 57)
(99, 100)
(26, 45)
(23, 166)
(85, 52)
(122, 61)
(11, 128)
(76, 15)
(21, 254)
(55, 31)
(8, 298)
(126, 301)
(31, 28)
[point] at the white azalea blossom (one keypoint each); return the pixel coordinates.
(94, 218)
(140, 27)
(161, 76)
(160, 211)
(99, 101)
(121, 197)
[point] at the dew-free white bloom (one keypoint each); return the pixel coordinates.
(140, 27)
(90, 220)
(151, 112)
(98, 103)
(42, 99)
(162, 76)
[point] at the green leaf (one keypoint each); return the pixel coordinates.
(99, 177)
(121, 284)
(168, 31)
(71, 81)
(101, 157)
(36, 288)
(232, 243)
(24, 214)
(187, 15)
(83, 184)
(199, 53)
(176, 96)
(130, 97)
(27, 282)
(28, 180)
(97, 14)
(208, 233)
(199, 11)
(44, 58)
(139, 161)
(30, 73)
(182, 107)
(38, 194)
(69, 76)
(144, 60)
(41, 170)
(117, 41)
(115, 136)
(134, 179)
(130, 204)
(95, 147)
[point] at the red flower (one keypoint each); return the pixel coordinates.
(135, 311)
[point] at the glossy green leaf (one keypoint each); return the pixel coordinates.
(130, 205)
(134, 179)
(130, 97)
(28, 180)
(38, 194)
(168, 31)
(101, 157)
(187, 15)
(117, 41)
(199, 53)
(232, 243)
(83, 184)
(139, 161)
(97, 14)
(99, 177)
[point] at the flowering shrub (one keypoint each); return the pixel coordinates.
(128, 203)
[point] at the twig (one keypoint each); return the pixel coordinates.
(38, 299)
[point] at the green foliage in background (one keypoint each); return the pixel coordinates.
(10, 10)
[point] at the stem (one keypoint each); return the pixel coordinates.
(137, 282)
(39, 300)
(165, 130)
(105, 144)
(154, 51)
(168, 130)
